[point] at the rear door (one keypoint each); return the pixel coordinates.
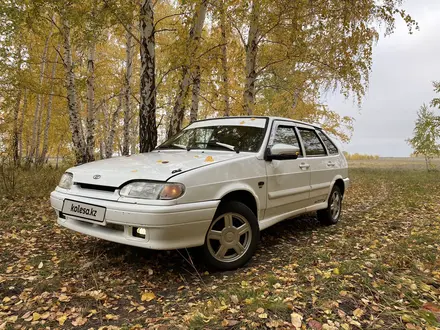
(288, 181)
(335, 164)
(316, 156)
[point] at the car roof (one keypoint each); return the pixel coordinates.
(271, 118)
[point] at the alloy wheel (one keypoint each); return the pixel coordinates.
(229, 237)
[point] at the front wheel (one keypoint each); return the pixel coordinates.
(332, 213)
(232, 237)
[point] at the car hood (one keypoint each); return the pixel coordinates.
(155, 166)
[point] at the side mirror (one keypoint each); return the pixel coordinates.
(282, 151)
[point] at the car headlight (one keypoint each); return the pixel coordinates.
(66, 181)
(152, 190)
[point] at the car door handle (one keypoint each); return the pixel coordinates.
(304, 166)
(331, 164)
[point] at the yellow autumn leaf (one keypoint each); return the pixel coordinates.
(336, 271)
(262, 316)
(296, 320)
(249, 301)
(62, 319)
(111, 317)
(64, 298)
(6, 299)
(12, 319)
(46, 315)
(148, 296)
(358, 312)
(36, 316)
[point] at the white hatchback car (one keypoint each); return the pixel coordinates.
(216, 184)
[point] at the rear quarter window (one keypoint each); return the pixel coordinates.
(331, 147)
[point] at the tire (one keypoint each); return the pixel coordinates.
(226, 247)
(332, 214)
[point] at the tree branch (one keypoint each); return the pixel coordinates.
(239, 34)
(165, 17)
(121, 22)
(210, 49)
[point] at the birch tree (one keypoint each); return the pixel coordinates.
(224, 57)
(74, 116)
(90, 137)
(127, 90)
(33, 153)
(192, 46)
(45, 147)
(147, 109)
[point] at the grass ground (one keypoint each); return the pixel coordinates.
(379, 268)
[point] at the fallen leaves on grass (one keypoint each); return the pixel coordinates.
(378, 268)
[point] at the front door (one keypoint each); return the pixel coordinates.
(288, 181)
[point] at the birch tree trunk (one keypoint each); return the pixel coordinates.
(74, 116)
(37, 115)
(111, 135)
(102, 149)
(134, 130)
(193, 44)
(224, 59)
(147, 111)
(90, 132)
(195, 94)
(48, 114)
(127, 90)
(251, 60)
(15, 134)
(20, 127)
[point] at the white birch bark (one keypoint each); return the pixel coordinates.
(74, 116)
(90, 127)
(127, 90)
(195, 94)
(37, 113)
(20, 127)
(112, 130)
(147, 111)
(251, 60)
(224, 59)
(15, 134)
(48, 114)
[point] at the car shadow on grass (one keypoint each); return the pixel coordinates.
(188, 264)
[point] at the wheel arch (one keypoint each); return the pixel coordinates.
(339, 182)
(241, 194)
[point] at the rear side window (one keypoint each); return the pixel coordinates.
(332, 149)
(312, 144)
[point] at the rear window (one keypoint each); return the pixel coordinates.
(332, 149)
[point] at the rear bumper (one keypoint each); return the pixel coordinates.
(166, 227)
(346, 182)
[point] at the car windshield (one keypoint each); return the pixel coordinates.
(220, 137)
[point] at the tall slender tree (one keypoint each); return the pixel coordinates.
(147, 110)
(193, 43)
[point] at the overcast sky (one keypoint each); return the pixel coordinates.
(404, 67)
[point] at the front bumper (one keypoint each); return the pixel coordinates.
(166, 227)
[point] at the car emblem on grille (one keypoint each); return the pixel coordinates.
(96, 177)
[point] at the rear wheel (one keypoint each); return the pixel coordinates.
(332, 213)
(232, 237)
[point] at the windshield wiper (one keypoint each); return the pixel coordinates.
(172, 146)
(224, 145)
